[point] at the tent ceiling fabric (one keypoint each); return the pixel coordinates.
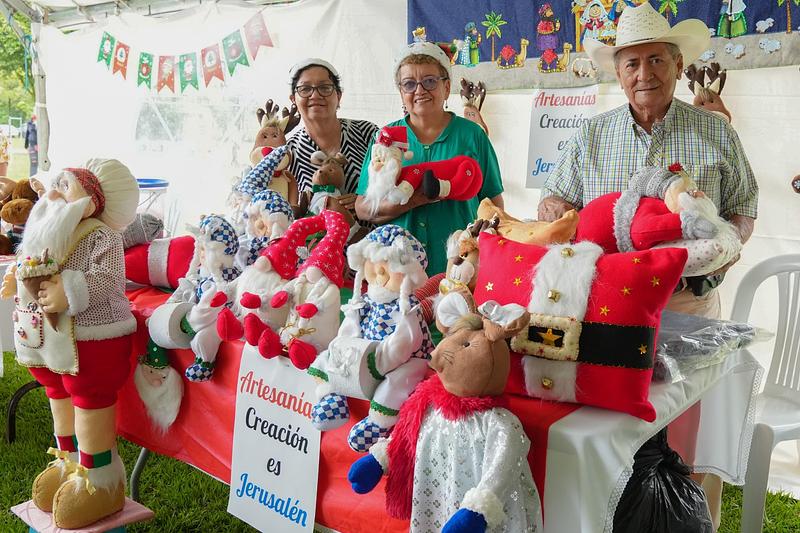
(70, 13)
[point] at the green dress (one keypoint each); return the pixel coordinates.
(433, 223)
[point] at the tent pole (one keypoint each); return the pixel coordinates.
(41, 99)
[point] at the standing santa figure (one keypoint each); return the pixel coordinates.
(71, 268)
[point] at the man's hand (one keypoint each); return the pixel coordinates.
(348, 201)
(552, 208)
(710, 101)
(52, 296)
(9, 287)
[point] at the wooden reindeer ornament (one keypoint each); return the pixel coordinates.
(472, 97)
(273, 128)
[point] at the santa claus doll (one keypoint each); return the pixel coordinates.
(72, 328)
(459, 178)
(266, 218)
(660, 205)
(385, 329)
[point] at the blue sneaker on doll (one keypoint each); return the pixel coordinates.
(382, 348)
(493, 487)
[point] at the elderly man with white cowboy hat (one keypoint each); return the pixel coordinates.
(655, 129)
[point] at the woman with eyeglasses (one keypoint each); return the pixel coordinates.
(317, 91)
(434, 134)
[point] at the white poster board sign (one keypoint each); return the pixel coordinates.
(275, 448)
(555, 116)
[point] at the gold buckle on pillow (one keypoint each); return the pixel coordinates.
(551, 337)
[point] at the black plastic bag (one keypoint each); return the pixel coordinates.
(660, 496)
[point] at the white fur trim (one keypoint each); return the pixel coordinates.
(562, 374)
(444, 189)
(571, 276)
(624, 211)
(105, 331)
(157, 257)
(394, 255)
(485, 503)
(106, 477)
(77, 291)
(380, 451)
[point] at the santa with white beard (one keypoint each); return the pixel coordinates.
(458, 178)
(72, 328)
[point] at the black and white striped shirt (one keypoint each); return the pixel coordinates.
(356, 138)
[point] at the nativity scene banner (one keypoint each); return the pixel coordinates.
(512, 44)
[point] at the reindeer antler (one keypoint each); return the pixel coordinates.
(715, 72)
(481, 95)
(467, 92)
(696, 76)
(292, 118)
(269, 111)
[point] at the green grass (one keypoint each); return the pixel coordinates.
(19, 166)
(186, 500)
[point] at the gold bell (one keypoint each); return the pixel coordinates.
(547, 383)
(553, 295)
(567, 252)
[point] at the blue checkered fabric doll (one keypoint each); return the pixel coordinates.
(266, 218)
(219, 243)
(393, 262)
(254, 181)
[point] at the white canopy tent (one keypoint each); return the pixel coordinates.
(200, 146)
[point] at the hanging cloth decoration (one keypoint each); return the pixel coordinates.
(145, 69)
(212, 66)
(166, 73)
(106, 48)
(234, 51)
(121, 59)
(255, 31)
(188, 70)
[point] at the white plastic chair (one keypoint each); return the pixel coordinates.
(778, 407)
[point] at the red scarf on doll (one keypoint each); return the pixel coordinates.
(402, 448)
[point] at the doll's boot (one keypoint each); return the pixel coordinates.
(330, 412)
(90, 494)
(51, 478)
(269, 344)
(364, 434)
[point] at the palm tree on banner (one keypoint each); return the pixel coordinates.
(493, 22)
(670, 7)
(788, 13)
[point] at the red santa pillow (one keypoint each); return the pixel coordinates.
(594, 317)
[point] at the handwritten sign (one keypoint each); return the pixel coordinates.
(555, 116)
(275, 447)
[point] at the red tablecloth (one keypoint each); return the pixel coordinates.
(202, 435)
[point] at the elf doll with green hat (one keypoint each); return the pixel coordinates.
(72, 328)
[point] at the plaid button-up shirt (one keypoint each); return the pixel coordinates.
(608, 148)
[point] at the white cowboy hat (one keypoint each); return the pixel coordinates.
(643, 25)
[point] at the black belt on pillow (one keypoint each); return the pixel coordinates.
(699, 285)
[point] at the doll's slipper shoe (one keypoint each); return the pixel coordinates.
(364, 434)
(46, 484)
(302, 354)
(74, 507)
(253, 328)
(330, 412)
(200, 370)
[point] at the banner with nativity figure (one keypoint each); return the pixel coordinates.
(512, 44)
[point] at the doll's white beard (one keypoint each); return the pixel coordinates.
(380, 294)
(162, 402)
(380, 183)
(727, 236)
(50, 226)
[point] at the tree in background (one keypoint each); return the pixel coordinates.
(670, 7)
(17, 98)
(492, 24)
(788, 12)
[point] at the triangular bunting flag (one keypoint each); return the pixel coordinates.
(121, 59)
(145, 69)
(233, 48)
(255, 31)
(166, 73)
(106, 48)
(212, 66)
(188, 70)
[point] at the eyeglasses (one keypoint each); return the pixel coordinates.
(307, 90)
(429, 83)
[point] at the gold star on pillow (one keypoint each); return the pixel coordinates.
(490, 286)
(655, 281)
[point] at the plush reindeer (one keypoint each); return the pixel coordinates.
(272, 134)
(472, 97)
(462, 256)
(716, 78)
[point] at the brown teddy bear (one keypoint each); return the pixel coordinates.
(18, 198)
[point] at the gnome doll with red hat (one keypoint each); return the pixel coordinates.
(72, 328)
(661, 207)
(382, 349)
(312, 297)
(458, 178)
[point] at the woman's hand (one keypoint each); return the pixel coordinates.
(348, 201)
